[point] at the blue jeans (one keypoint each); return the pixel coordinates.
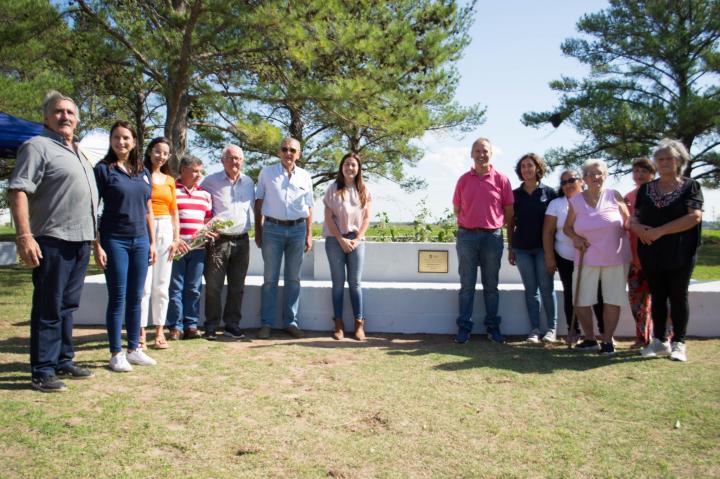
(483, 249)
(538, 282)
(186, 291)
(58, 283)
(127, 266)
(338, 261)
(279, 241)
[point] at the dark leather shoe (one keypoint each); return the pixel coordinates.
(74, 372)
(175, 334)
(191, 333)
(210, 335)
(50, 384)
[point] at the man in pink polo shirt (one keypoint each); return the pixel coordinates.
(483, 199)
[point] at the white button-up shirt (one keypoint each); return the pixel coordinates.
(285, 197)
(232, 201)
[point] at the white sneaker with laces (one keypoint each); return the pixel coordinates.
(550, 336)
(656, 349)
(140, 358)
(679, 352)
(533, 337)
(120, 364)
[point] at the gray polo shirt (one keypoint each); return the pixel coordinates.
(61, 189)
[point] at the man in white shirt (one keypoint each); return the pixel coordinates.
(233, 195)
(283, 227)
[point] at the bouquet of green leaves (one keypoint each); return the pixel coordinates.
(200, 238)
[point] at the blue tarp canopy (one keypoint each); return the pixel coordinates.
(14, 132)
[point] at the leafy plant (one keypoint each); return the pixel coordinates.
(385, 227)
(422, 230)
(447, 227)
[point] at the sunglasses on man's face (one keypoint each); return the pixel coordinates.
(569, 181)
(285, 149)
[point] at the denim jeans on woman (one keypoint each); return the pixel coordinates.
(481, 248)
(127, 265)
(339, 261)
(279, 241)
(538, 283)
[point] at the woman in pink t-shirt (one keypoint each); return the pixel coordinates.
(347, 217)
(596, 222)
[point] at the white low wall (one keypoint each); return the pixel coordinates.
(393, 262)
(413, 303)
(8, 253)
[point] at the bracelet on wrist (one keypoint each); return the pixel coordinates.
(26, 235)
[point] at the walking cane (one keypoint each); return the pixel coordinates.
(575, 297)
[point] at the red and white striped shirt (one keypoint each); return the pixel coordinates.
(194, 209)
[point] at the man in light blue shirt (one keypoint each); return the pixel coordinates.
(233, 196)
(283, 226)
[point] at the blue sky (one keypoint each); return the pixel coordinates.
(514, 54)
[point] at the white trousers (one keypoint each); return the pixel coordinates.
(157, 281)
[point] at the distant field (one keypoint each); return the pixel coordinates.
(708, 263)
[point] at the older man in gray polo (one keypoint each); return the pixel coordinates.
(54, 203)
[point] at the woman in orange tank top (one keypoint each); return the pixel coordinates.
(155, 295)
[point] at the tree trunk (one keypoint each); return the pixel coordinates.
(176, 126)
(296, 124)
(138, 113)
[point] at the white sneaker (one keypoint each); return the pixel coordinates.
(140, 358)
(656, 349)
(120, 364)
(533, 337)
(679, 352)
(550, 336)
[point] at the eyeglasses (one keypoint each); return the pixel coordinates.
(569, 181)
(285, 149)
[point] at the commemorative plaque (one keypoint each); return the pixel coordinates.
(432, 261)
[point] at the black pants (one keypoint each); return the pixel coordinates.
(58, 283)
(669, 285)
(565, 269)
(227, 256)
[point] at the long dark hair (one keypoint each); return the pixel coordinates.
(134, 163)
(359, 183)
(165, 168)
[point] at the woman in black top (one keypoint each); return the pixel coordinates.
(525, 245)
(667, 221)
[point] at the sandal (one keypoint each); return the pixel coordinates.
(160, 342)
(141, 341)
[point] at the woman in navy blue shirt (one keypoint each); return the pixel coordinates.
(525, 244)
(126, 243)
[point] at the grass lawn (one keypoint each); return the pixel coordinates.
(397, 406)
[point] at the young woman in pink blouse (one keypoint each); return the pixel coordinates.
(347, 217)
